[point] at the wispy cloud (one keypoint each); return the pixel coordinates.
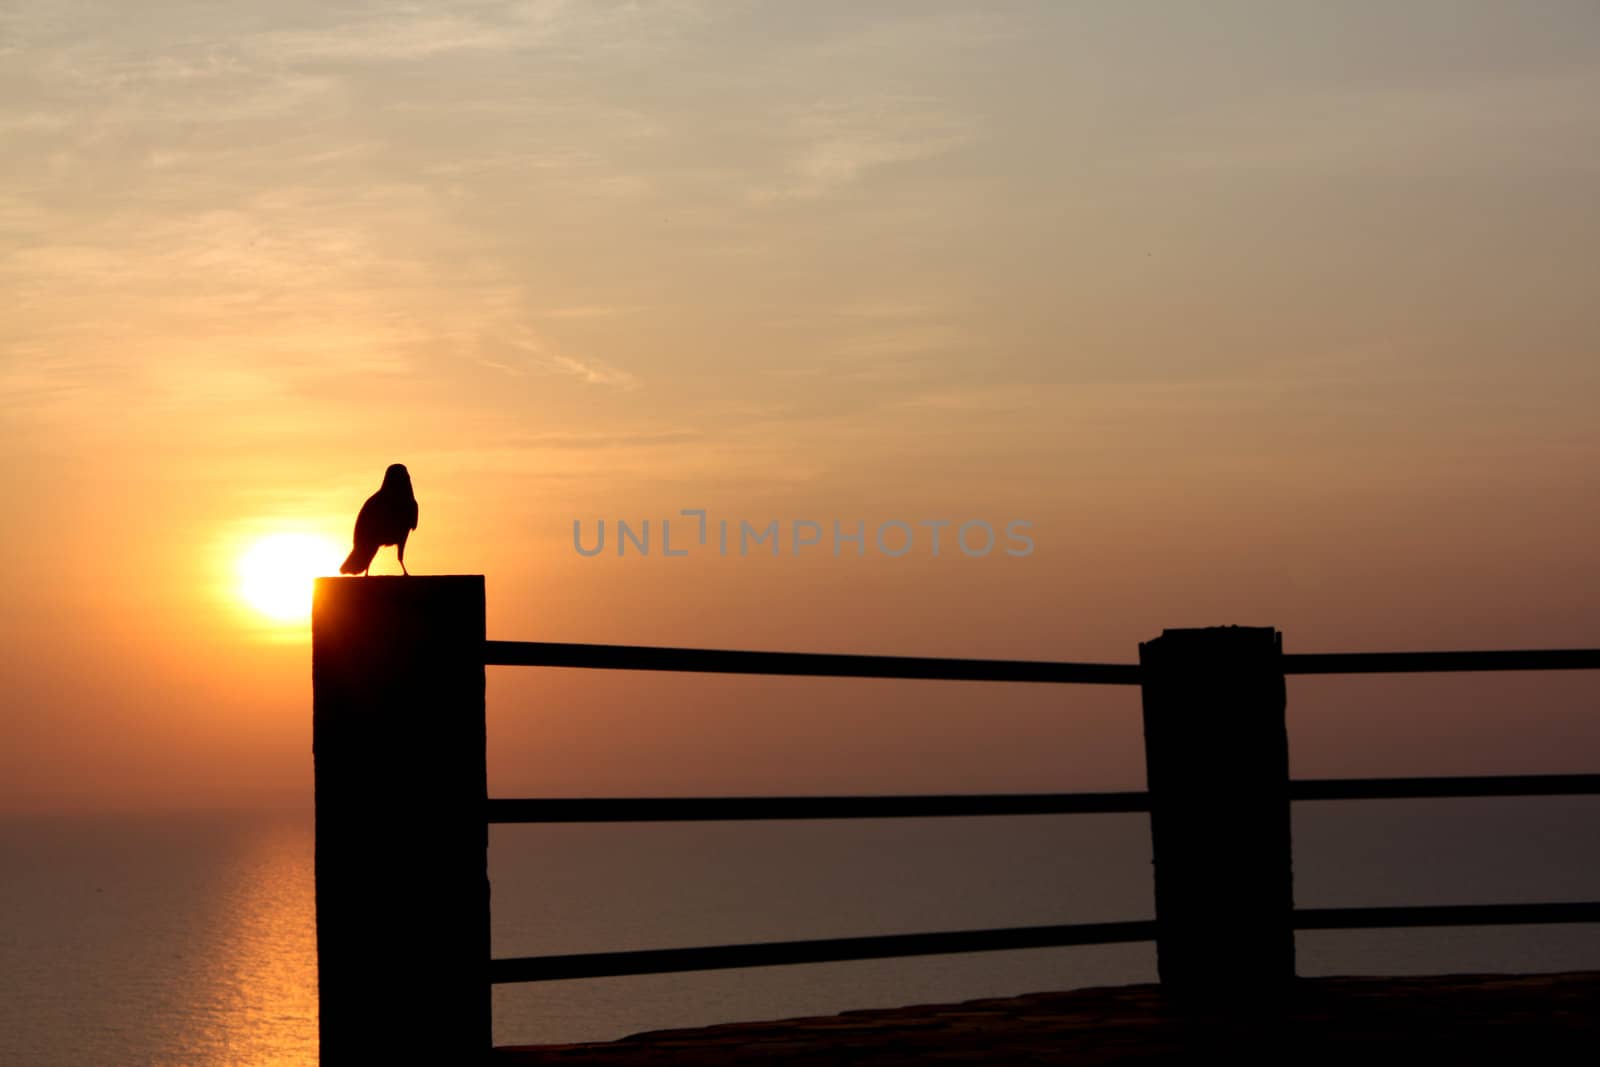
(594, 373)
(832, 146)
(528, 353)
(884, 38)
(1450, 126)
(391, 38)
(590, 311)
(388, 35)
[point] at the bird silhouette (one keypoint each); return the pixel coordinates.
(387, 518)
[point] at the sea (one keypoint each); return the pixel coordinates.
(190, 939)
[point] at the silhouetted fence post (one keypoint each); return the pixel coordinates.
(1217, 757)
(402, 841)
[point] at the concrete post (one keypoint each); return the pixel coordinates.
(1217, 756)
(402, 841)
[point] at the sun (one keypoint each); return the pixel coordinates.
(276, 572)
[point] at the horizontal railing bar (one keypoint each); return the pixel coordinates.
(823, 664)
(708, 809)
(1445, 915)
(1502, 785)
(837, 950)
(1405, 662)
(844, 949)
(698, 809)
(828, 950)
(800, 664)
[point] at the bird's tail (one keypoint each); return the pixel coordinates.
(358, 560)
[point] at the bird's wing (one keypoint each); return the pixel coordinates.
(368, 520)
(412, 505)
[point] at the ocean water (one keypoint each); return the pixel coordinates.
(191, 940)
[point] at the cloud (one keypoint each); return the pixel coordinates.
(1510, 123)
(533, 355)
(389, 35)
(891, 39)
(608, 438)
(832, 146)
(908, 339)
(590, 311)
(393, 37)
(594, 372)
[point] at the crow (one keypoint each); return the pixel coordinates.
(387, 518)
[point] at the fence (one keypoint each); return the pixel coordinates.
(402, 811)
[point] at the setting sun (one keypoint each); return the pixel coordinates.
(276, 572)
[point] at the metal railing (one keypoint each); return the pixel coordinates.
(793, 664)
(399, 674)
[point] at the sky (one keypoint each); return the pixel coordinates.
(1267, 313)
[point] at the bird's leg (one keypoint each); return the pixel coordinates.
(400, 551)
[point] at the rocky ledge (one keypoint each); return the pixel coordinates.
(1453, 1019)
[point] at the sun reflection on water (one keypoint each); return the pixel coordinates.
(255, 994)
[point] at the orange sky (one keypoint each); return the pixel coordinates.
(1260, 313)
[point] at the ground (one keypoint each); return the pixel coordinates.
(1450, 1019)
